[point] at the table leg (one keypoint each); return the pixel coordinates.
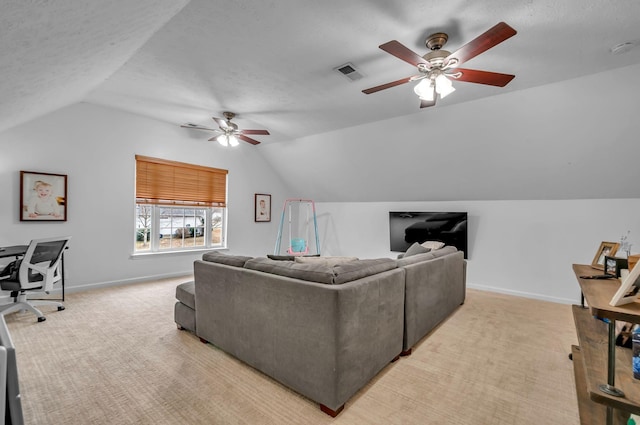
(62, 263)
(610, 386)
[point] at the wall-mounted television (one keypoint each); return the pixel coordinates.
(407, 227)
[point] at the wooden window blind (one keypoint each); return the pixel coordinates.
(159, 181)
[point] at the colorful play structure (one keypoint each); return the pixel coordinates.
(299, 232)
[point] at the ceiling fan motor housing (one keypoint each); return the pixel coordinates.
(436, 41)
(436, 57)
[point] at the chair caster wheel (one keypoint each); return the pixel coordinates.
(60, 308)
(41, 319)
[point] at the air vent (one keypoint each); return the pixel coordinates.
(349, 71)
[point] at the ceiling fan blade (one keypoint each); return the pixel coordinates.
(427, 103)
(263, 132)
(389, 85)
(221, 122)
(197, 127)
(490, 38)
(402, 52)
(213, 139)
(481, 77)
(248, 139)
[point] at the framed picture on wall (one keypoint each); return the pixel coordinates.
(263, 207)
(606, 249)
(43, 196)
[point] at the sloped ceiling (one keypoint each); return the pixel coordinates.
(54, 53)
(272, 62)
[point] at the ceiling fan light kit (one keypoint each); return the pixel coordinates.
(230, 132)
(438, 83)
(438, 67)
(226, 140)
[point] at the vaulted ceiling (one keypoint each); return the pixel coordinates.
(272, 62)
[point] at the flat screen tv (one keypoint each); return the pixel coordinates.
(407, 227)
(13, 405)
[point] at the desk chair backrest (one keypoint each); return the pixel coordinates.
(40, 264)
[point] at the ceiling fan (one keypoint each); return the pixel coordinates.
(438, 67)
(230, 133)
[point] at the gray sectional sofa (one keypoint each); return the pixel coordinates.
(323, 328)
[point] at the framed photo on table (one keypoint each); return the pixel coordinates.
(606, 249)
(262, 207)
(43, 196)
(613, 265)
(629, 288)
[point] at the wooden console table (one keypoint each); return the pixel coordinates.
(605, 385)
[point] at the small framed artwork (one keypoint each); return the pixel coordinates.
(263, 207)
(43, 196)
(613, 265)
(606, 249)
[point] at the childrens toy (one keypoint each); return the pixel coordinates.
(301, 230)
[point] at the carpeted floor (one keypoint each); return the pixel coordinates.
(115, 356)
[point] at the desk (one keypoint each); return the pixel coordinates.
(13, 251)
(18, 251)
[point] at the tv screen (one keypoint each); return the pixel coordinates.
(407, 227)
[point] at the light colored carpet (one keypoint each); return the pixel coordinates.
(115, 356)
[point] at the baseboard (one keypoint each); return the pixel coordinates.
(523, 294)
(89, 286)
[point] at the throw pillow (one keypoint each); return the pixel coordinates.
(414, 249)
(433, 245)
(222, 258)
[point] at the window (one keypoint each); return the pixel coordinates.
(178, 206)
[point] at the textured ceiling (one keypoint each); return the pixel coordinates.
(272, 61)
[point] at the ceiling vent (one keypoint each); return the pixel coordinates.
(349, 71)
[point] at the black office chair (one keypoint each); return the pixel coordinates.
(35, 272)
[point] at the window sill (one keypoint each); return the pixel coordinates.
(140, 255)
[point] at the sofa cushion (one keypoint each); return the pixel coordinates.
(329, 261)
(405, 261)
(229, 260)
(353, 270)
(322, 273)
(186, 294)
(414, 249)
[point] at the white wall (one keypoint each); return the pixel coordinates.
(546, 143)
(523, 248)
(556, 142)
(95, 147)
(560, 141)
